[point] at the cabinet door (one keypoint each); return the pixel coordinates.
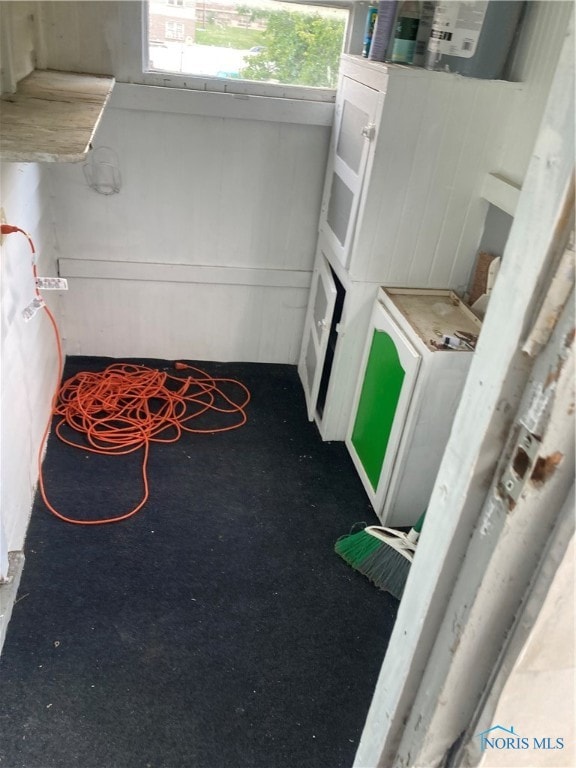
(354, 130)
(382, 403)
(316, 332)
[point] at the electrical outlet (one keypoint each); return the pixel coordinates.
(2, 221)
(52, 283)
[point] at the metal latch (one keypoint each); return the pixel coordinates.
(521, 463)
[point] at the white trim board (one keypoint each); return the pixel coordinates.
(501, 192)
(151, 98)
(183, 273)
(8, 591)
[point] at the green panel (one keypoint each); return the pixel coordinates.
(377, 405)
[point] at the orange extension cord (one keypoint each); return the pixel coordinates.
(127, 407)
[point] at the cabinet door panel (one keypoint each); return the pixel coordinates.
(382, 401)
(316, 332)
(340, 208)
(381, 389)
(349, 147)
(354, 130)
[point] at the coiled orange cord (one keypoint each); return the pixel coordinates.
(127, 407)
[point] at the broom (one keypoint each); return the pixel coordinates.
(383, 555)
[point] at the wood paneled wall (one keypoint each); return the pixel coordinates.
(233, 200)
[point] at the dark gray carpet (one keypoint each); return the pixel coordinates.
(215, 629)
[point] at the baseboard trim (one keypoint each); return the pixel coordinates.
(8, 591)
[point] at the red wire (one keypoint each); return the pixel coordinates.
(127, 407)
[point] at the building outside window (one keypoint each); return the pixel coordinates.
(254, 40)
(174, 30)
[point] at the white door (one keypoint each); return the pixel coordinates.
(354, 131)
(316, 331)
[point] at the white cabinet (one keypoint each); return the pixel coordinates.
(406, 397)
(423, 144)
(402, 206)
(334, 332)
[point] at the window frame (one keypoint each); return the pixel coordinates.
(240, 87)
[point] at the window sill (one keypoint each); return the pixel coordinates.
(52, 117)
(236, 87)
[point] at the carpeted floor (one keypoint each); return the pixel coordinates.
(216, 628)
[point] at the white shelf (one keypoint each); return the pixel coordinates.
(501, 192)
(52, 117)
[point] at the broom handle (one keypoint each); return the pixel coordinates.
(400, 541)
(414, 533)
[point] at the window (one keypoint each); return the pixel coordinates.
(251, 40)
(174, 30)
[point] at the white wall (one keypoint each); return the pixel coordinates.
(545, 28)
(234, 200)
(28, 352)
(18, 39)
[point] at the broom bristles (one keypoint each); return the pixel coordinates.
(387, 569)
(355, 547)
(382, 564)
